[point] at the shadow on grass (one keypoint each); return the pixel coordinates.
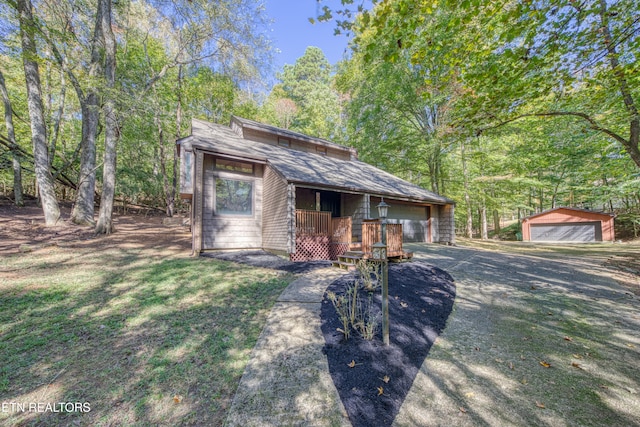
(144, 340)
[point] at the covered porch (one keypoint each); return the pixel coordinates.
(321, 236)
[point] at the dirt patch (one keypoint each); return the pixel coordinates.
(373, 379)
(22, 229)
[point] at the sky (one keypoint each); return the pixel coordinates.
(292, 32)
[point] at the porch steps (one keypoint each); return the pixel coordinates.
(348, 260)
(404, 256)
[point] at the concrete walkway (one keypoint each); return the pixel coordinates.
(287, 380)
(512, 311)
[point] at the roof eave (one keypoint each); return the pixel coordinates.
(355, 190)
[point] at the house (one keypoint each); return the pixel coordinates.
(253, 185)
(568, 225)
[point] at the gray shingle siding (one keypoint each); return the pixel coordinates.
(275, 211)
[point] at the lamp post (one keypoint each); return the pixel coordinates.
(380, 253)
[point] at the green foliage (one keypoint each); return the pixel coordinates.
(627, 226)
(510, 232)
(306, 100)
(531, 113)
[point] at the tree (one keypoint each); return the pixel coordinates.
(17, 168)
(308, 83)
(36, 114)
(105, 223)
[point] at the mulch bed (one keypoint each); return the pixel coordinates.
(420, 300)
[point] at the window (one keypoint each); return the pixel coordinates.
(234, 165)
(187, 185)
(234, 197)
(284, 142)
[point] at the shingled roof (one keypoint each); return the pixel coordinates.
(310, 169)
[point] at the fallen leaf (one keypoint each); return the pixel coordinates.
(577, 356)
(177, 398)
(545, 364)
(568, 339)
(499, 360)
(539, 404)
(380, 391)
(576, 365)
(630, 345)
(524, 381)
(470, 394)
(464, 411)
(386, 379)
(404, 304)
(352, 364)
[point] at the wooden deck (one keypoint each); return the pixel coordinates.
(319, 236)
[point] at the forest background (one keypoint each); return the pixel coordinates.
(507, 107)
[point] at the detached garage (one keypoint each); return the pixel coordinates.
(568, 225)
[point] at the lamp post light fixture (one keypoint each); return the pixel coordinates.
(383, 209)
(379, 254)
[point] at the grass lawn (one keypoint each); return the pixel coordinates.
(145, 338)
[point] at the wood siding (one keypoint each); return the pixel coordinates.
(294, 144)
(230, 231)
(275, 212)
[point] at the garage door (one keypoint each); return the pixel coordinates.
(573, 232)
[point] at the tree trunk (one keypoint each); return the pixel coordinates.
(631, 145)
(83, 209)
(57, 120)
(467, 198)
(17, 168)
(163, 169)
(105, 223)
(174, 186)
(36, 115)
(483, 222)
(496, 220)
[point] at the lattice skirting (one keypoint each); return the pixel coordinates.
(315, 248)
(337, 249)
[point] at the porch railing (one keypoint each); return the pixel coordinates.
(341, 229)
(312, 223)
(371, 233)
(315, 223)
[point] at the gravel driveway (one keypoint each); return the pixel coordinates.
(534, 339)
